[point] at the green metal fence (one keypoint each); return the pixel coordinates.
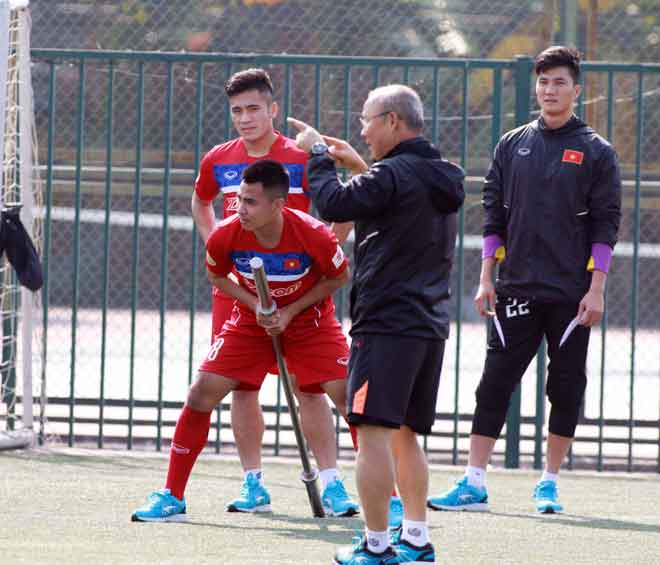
(126, 304)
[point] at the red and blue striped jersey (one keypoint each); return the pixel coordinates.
(307, 252)
(221, 169)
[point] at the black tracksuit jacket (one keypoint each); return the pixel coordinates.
(404, 209)
(550, 194)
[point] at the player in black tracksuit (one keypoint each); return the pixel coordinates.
(552, 199)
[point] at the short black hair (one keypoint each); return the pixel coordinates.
(271, 174)
(249, 79)
(559, 56)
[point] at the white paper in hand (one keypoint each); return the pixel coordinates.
(500, 333)
(569, 330)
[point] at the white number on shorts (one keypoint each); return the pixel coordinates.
(215, 348)
(514, 308)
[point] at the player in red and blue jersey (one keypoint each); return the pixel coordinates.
(304, 266)
(253, 110)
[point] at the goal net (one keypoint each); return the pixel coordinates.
(21, 369)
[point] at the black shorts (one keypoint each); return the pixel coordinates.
(393, 381)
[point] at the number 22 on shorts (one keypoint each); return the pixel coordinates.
(515, 308)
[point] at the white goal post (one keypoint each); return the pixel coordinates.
(19, 186)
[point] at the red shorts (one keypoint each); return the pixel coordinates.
(315, 352)
(221, 309)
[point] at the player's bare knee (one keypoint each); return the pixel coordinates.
(336, 390)
(245, 401)
(207, 390)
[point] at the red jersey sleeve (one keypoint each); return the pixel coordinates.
(206, 187)
(218, 257)
(328, 254)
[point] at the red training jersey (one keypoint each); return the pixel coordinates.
(307, 251)
(222, 167)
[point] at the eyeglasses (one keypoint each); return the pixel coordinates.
(364, 120)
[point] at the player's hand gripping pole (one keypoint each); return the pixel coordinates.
(309, 475)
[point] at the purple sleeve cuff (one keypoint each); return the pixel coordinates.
(491, 243)
(601, 253)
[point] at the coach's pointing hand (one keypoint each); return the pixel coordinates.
(341, 151)
(345, 155)
(307, 135)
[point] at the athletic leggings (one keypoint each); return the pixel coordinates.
(524, 323)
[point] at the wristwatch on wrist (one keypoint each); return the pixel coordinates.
(319, 148)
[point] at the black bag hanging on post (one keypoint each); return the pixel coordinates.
(16, 242)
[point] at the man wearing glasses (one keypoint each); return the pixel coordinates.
(404, 208)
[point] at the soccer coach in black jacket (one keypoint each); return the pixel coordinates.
(404, 208)
(552, 202)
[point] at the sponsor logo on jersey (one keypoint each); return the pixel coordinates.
(229, 175)
(286, 291)
(524, 151)
(338, 258)
(277, 292)
(572, 156)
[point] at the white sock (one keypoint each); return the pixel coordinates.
(328, 475)
(549, 476)
(257, 473)
(416, 533)
(476, 476)
(377, 542)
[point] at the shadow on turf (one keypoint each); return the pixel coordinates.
(334, 530)
(338, 531)
(584, 522)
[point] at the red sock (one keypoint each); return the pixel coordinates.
(190, 435)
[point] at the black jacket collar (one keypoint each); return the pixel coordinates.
(417, 145)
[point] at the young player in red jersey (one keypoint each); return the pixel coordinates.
(304, 265)
(250, 94)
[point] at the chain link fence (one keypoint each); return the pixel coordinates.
(460, 105)
(616, 30)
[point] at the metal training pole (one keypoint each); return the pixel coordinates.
(308, 475)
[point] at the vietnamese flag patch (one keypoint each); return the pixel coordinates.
(572, 156)
(292, 264)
